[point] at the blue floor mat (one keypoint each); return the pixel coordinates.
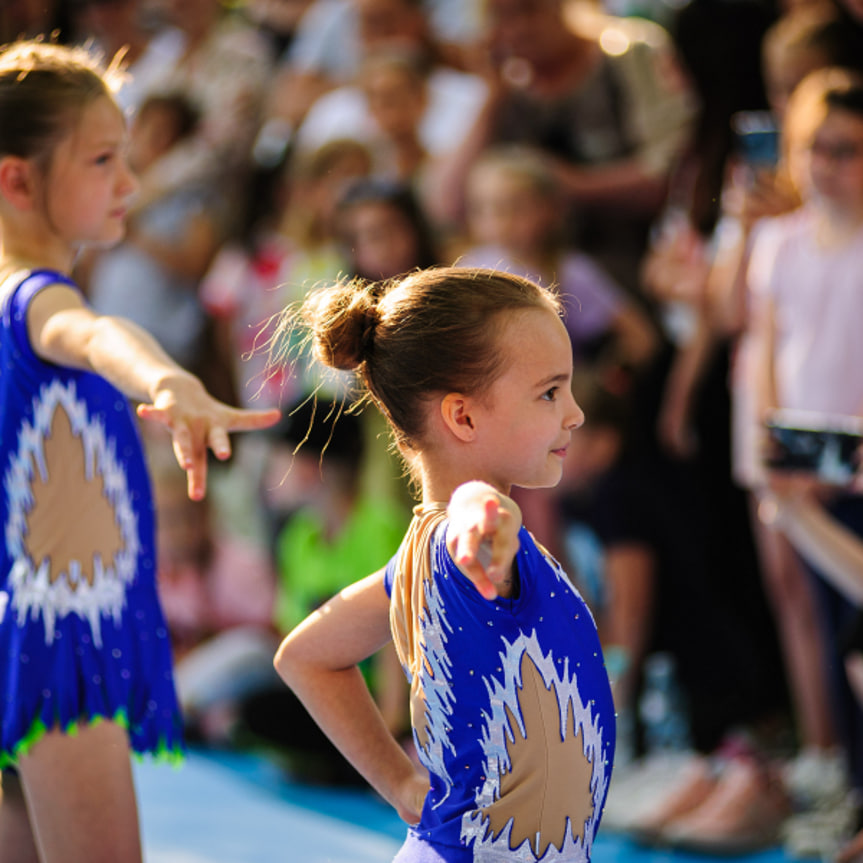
(238, 808)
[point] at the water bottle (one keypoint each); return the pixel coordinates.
(662, 707)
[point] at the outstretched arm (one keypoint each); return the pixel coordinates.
(821, 539)
(482, 537)
(318, 661)
(63, 330)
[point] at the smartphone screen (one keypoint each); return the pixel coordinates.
(757, 138)
(825, 445)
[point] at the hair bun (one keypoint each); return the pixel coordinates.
(370, 322)
(344, 319)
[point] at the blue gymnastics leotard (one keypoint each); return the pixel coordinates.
(510, 704)
(82, 634)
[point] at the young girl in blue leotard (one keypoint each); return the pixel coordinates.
(510, 702)
(85, 665)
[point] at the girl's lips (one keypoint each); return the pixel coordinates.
(561, 451)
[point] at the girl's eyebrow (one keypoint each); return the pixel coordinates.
(560, 378)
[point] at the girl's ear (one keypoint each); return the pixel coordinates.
(456, 415)
(17, 183)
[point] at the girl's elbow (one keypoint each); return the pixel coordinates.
(286, 661)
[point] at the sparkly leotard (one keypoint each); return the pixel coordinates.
(82, 634)
(510, 702)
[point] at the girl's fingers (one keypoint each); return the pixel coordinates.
(151, 412)
(191, 458)
(476, 557)
(196, 474)
(219, 442)
(245, 420)
(182, 444)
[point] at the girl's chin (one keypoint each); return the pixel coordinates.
(549, 481)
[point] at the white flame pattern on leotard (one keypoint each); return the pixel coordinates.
(504, 698)
(32, 590)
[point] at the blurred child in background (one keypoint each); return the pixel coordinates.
(805, 275)
(515, 223)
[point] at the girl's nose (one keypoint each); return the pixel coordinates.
(128, 181)
(575, 416)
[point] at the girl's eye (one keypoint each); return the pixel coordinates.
(103, 158)
(550, 395)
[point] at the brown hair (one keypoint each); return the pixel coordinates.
(434, 331)
(43, 90)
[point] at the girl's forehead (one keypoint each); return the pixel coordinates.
(539, 318)
(98, 118)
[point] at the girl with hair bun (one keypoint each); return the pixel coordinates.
(511, 707)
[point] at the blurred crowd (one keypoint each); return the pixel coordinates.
(632, 155)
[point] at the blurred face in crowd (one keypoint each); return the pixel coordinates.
(505, 209)
(382, 239)
(390, 23)
(153, 132)
(529, 29)
(396, 97)
(324, 191)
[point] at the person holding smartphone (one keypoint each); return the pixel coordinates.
(806, 276)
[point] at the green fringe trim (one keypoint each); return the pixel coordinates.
(173, 755)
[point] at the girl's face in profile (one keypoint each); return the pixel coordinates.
(383, 242)
(89, 181)
(524, 421)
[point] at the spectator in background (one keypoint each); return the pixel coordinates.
(333, 36)
(222, 68)
(800, 41)
(604, 99)
(514, 223)
(395, 89)
(657, 590)
(805, 273)
(384, 230)
(125, 26)
(449, 98)
(291, 245)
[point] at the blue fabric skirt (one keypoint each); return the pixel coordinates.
(121, 670)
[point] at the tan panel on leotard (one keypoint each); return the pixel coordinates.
(549, 779)
(71, 518)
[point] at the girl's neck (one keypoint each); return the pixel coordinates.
(22, 248)
(438, 483)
